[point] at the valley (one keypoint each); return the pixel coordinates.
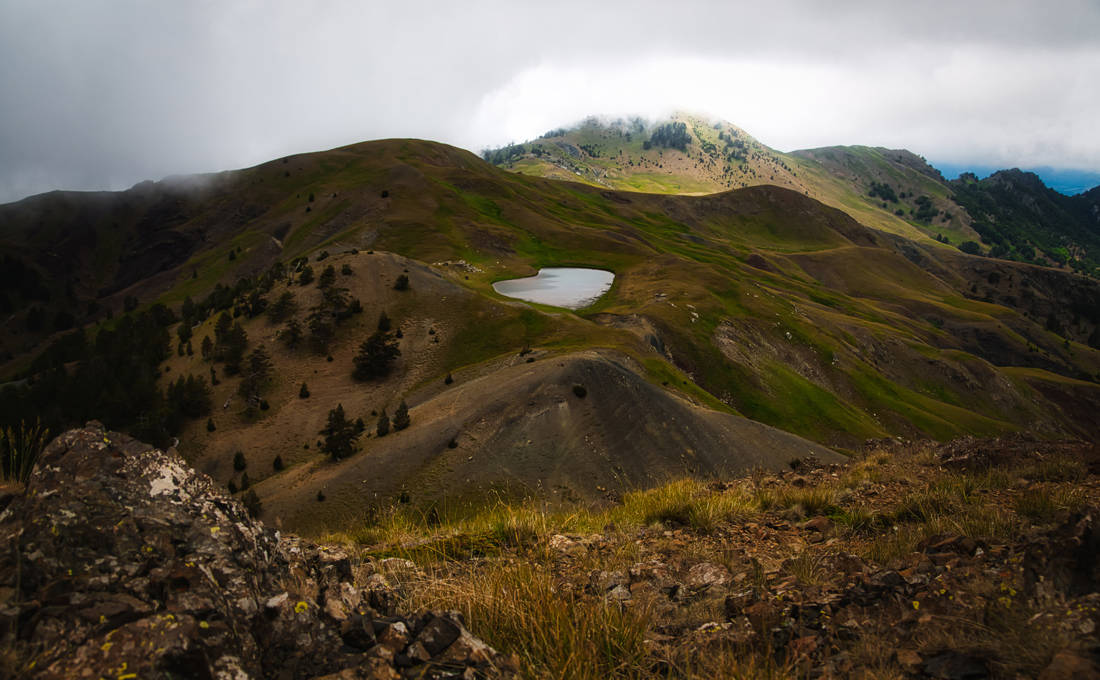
(754, 304)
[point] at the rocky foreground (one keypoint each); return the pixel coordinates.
(120, 561)
(970, 560)
(961, 561)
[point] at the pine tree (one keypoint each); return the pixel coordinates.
(383, 427)
(303, 392)
(277, 463)
(383, 322)
(322, 329)
(252, 503)
(401, 417)
(239, 462)
(207, 347)
(340, 434)
(376, 355)
(327, 278)
(292, 334)
(257, 373)
(283, 307)
(235, 345)
(402, 282)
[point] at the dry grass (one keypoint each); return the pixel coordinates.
(516, 606)
(517, 597)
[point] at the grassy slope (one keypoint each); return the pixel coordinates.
(612, 155)
(760, 301)
(539, 583)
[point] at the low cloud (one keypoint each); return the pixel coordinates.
(104, 94)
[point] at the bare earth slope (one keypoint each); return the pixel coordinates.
(522, 430)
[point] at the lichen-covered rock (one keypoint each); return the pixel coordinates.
(121, 561)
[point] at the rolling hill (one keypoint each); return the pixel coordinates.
(1011, 213)
(759, 303)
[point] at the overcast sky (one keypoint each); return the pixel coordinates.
(102, 94)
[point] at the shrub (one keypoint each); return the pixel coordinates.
(19, 449)
(580, 391)
(210, 427)
(239, 462)
(278, 464)
(303, 392)
(448, 380)
(252, 503)
(402, 282)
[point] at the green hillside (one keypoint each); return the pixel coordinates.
(760, 302)
(690, 155)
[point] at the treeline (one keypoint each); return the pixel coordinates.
(111, 377)
(110, 374)
(669, 136)
(1022, 219)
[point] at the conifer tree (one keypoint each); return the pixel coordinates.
(383, 427)
(340, 434)
(401, 417)
(376, 355)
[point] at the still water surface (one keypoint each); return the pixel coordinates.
(569, 287)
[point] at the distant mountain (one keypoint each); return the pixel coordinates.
(892, 190)
(1023, 219)
(687, 154)
(1068, 182)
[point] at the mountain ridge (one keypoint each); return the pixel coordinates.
(759, 302)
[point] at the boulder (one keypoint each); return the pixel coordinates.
(120, 559)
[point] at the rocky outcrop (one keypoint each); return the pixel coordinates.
(121, 561)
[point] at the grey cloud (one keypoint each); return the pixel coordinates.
(100, 94)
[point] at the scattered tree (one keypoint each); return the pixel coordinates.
(256, 375)
(376, 356)
(340, 434)
(277, 464)
(401, 417)
(402, 282)
(383, 427)
(303, 392)
(239, 462)
(284, 307)
(383, 322)
(292, 334)
(327, 278)
(252, 503)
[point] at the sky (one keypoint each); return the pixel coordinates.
(100, 94)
